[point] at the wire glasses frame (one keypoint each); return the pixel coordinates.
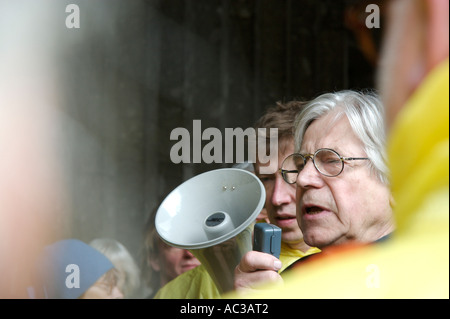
(327, 161)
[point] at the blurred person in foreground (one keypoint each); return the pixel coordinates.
(31, 175)
(413, 79)
(279, 209)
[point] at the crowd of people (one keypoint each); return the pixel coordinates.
(359, 183)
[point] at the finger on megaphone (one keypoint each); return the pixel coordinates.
(244, 282)
(255, 261)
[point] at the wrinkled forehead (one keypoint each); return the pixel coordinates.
(325, 117)
(332, 130)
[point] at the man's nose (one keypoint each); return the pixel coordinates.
(280, 193)
(309, 176)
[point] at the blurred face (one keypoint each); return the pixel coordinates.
(30, 188)
(353, 206)
(104, 288)
(280, 196)
(173, 261)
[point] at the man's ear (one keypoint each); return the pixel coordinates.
(437, 31)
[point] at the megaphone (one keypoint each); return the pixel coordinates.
(212, 215)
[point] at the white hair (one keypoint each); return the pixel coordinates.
(365, 113)
(122, 260)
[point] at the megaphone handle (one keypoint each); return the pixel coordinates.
(267, 239)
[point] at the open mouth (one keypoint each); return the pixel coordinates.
(312, 210)
(285, 217)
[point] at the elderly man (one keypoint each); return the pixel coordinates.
(339, 169)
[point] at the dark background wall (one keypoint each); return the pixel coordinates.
(137, 69)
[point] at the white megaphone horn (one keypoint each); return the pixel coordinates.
(212, 215)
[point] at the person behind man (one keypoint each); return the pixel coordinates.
(413, 79)
(279, 206)
(339, 170)
(163, 262)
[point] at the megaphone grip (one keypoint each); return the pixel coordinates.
(267, 239)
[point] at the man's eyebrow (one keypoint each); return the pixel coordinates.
(334, 148)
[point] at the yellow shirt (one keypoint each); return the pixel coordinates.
(197, 284)
(288, 256)
(414, 262)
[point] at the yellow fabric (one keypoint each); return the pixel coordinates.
(414, 262)
(288, 256)
(197, 284)
(419, 151)
(193, 284)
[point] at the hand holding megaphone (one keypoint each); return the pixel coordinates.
(261, 265)
(255, 269)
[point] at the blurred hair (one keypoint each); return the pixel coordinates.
(151, 250)
(129, 272)
(281, 116)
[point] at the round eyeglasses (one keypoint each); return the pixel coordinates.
(327, 162)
